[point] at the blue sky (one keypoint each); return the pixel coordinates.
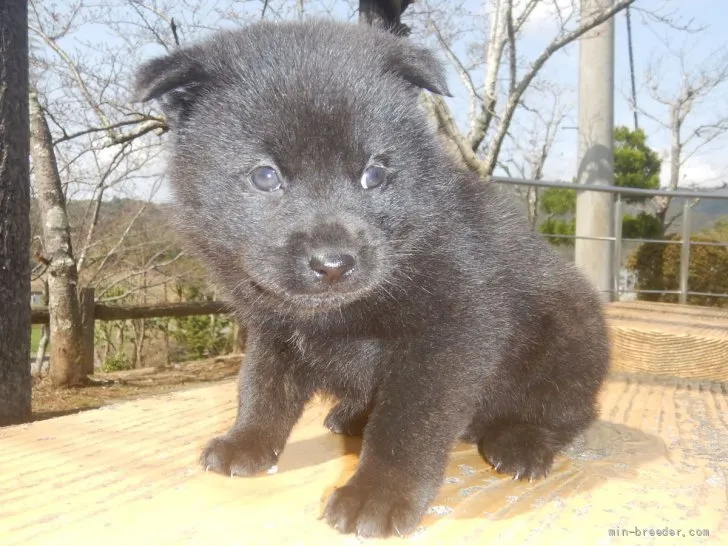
(651, 42)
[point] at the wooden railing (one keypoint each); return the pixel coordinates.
(91, 311)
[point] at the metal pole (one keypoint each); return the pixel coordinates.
(685, 253)
(594, 214)
(631, 69)
(617, 259)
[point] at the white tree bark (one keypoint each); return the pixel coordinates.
(66, 359)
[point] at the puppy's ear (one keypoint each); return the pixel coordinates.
(420, 67)
(175, 81)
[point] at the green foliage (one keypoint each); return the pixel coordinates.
(559, 204)
(558, 201)
(721, 225)
(35, 335)
(641, 226)
(556, 226)
(636, 165)
(657, 267)
(117, 362)
(201, 336)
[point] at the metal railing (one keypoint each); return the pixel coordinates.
(617, 240)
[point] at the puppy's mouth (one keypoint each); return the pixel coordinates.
(320, 280)
(324, 302)
(320, 301)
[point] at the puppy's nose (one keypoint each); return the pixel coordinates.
(331, 267)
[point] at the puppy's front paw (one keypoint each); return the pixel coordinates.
(239, 454)
(371, 511)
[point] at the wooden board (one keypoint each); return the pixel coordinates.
(128, 474)
(669, 340)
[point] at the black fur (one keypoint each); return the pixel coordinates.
(455, 322)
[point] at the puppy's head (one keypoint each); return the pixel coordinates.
(304, 168)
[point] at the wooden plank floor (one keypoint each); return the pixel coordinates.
(669, 340)
(127, 474)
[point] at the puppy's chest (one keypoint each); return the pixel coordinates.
(341, 363)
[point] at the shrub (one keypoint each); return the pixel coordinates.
(657, 267)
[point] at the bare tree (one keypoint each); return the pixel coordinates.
(67, 357)
(493, 107)
(530, 143)
(698, 82)
(15, 380)
(97, 144)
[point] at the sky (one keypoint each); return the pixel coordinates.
(652, 43)
(649, 42)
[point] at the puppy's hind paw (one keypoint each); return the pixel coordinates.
(344, 420)
(524, 451)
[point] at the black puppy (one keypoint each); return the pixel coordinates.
(368, 265)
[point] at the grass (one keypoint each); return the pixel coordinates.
(34, 338)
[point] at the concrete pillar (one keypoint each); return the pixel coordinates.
(594, 210)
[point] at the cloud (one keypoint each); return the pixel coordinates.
(696, 171)
(547, 15)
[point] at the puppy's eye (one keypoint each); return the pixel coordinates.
(372, 177)
(265, 179)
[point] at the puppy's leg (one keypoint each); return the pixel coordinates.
(271, 399)
(525, 448)
(347, 417)
(405, 449)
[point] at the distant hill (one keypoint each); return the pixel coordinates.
(704, 214)
(150, 247)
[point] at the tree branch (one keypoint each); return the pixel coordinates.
(446, 124)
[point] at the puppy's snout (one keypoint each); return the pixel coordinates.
(331, 268)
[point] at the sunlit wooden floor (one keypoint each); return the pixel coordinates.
(128, 474)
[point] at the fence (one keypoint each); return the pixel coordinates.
(617, 240)
(91, 311)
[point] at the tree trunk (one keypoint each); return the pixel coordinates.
(676, 121)
(662, 203)
(86, 302)
(67, 355)
(165, 331)
(139, 329)
(497, 40)
(15, 379)
(44, 336)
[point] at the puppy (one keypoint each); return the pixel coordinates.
(367, 265)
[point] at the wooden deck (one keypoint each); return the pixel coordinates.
(128, 474)
(668, 340)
